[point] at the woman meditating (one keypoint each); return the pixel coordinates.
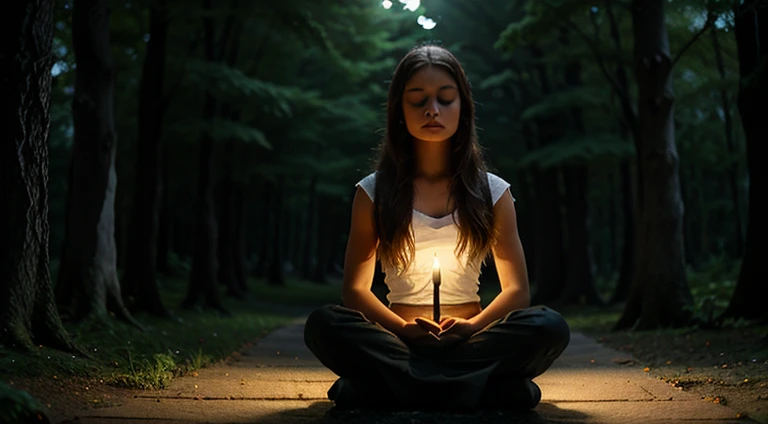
(431, 200)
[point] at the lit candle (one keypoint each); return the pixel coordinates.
(436, 285)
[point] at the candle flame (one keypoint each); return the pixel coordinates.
(435, 264)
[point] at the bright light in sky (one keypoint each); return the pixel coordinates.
(387, 4)
(411, 5)
(425, 22)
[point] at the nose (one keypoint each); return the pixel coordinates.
(432, 109)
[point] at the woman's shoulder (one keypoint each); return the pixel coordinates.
(497, 186)
(368, 184)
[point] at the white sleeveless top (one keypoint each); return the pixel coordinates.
(435, 236)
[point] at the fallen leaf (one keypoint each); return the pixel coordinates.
(623, 361)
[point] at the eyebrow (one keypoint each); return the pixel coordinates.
(440, 89)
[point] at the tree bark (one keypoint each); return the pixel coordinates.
(87, 280)
(266, 230)
(140, 277)
(165, 222)
(660, 296)
(225, 230)
(28, 313)
(549, 251)
(752, 41)
(730, 143)
(309, 233)
(323, 246)
(203, 277)
(238, 239)
(629, 197)
(629, 236)
(275, 273)
(580, 268)
(230, 226)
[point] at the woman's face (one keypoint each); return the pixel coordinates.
(431, 104)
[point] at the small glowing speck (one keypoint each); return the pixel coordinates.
(386, 4)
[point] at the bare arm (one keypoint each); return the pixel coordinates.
(510, 265)
(359, 265)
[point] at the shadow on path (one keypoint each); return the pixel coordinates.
(328, 414)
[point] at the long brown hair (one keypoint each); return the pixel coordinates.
(393, 200)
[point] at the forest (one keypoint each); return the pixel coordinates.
(219, 143)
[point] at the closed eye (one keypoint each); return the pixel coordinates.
(441, 101)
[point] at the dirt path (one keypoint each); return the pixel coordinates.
(277, 380)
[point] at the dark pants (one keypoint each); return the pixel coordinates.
(518, 347)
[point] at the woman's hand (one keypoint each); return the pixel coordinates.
(413, 332)
(455, 326)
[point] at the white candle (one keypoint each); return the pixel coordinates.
(436, 284)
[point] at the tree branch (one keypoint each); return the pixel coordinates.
(707, 25)
(595, 52)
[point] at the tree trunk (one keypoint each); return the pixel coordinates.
(579, 282)
(629, 196)
(309, 233)
(227, 248)
(730, 143)
(87, 281)
(203, 277)
(323, 246)
(225, 231)
(165, 224)
(275, 273)
(238, 238)
(140, 277)
(549, 251)
(229, 227)
(266, 230)
(28, 314)
(660, 296)
(752, 42)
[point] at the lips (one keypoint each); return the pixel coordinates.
(433, 124)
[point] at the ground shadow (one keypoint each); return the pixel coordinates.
(323, 412)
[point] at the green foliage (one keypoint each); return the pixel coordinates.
(231, 84)
(577, 150)
(712, 285)
(149, 374)
(501, 79)
(540, 17)
(220, 129)
(565, 100)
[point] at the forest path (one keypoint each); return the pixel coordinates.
(278, 380)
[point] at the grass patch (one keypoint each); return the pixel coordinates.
(123, 355)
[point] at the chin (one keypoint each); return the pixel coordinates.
(434, 138)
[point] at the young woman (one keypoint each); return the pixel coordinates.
(431, 197)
